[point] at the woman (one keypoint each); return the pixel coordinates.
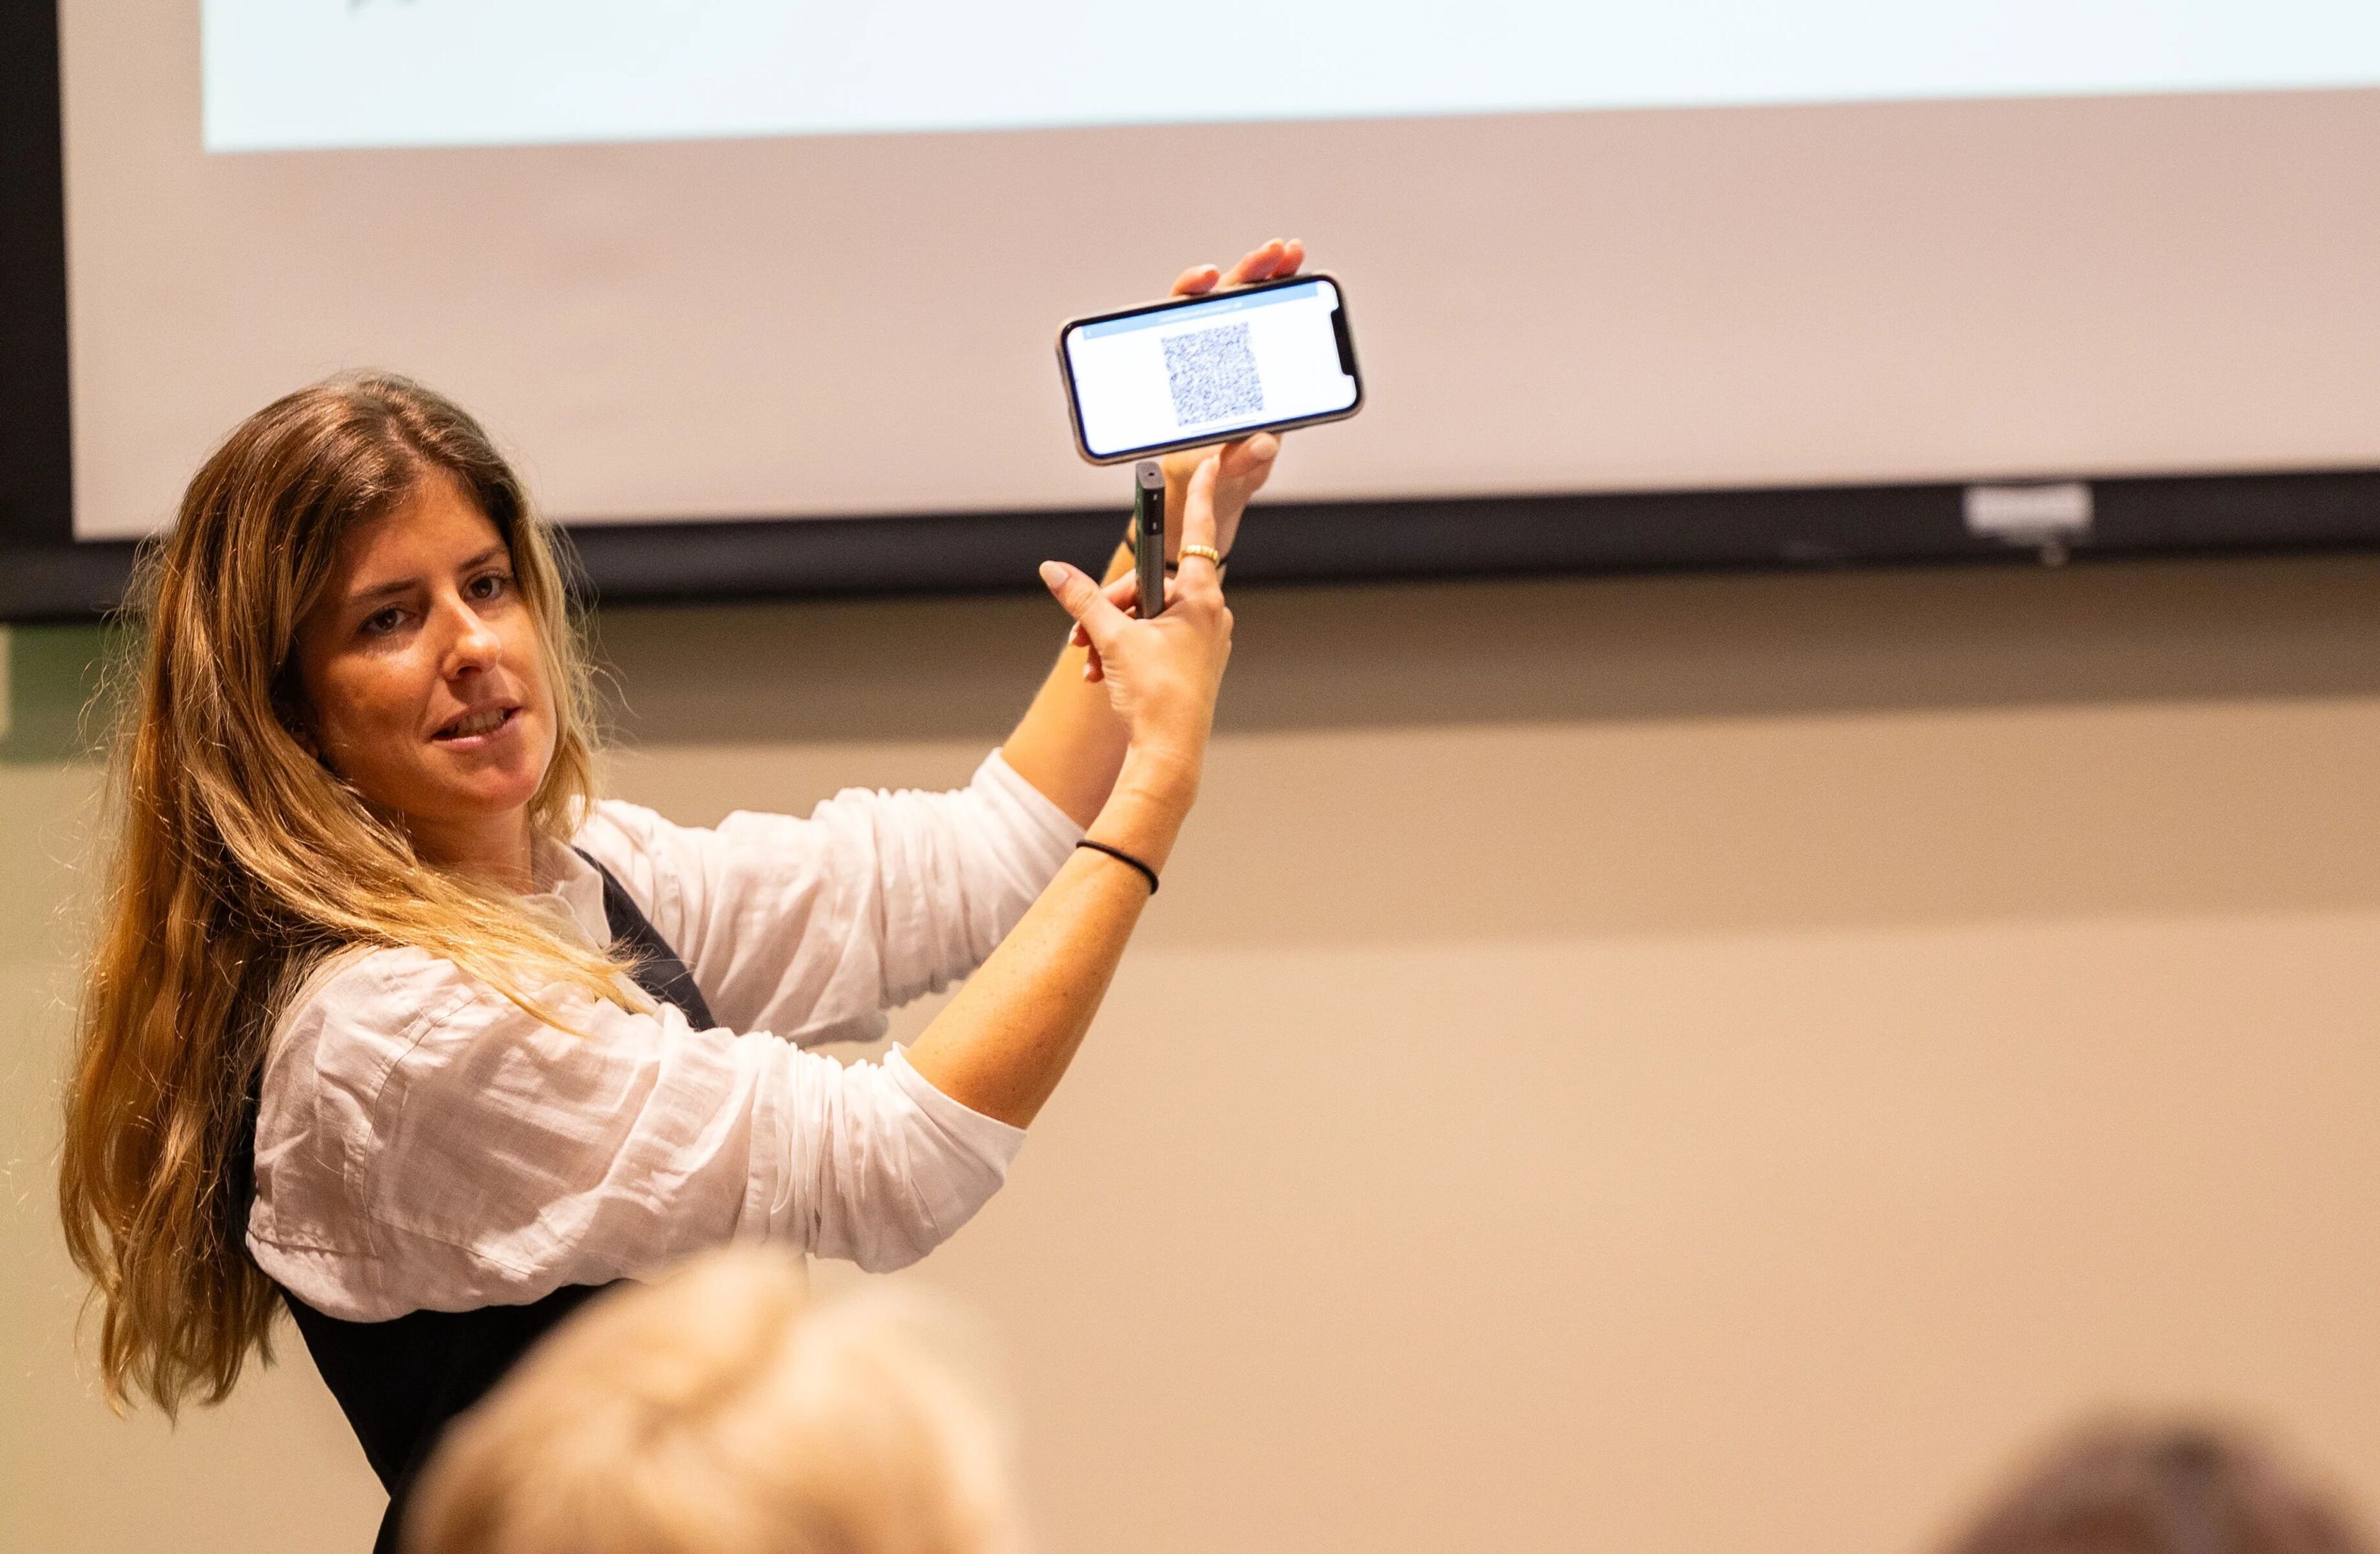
(394, 1022)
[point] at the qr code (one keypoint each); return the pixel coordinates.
(1213, 375)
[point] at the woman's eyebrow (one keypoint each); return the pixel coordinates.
(382, 590)
(379, 590)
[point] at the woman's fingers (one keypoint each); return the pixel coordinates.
(1124, 593)
(1268, 262)
(1198, 523)
(1082, 598)
(1257, 264)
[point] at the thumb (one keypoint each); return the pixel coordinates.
(1082, 598)
(1250, 455)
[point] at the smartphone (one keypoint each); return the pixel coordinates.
(1197, 370)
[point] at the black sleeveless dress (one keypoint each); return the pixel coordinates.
(400, 1381)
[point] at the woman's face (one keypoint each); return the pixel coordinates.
(421, 668)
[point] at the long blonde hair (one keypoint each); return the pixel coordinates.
(240, 861)
(720, 1411)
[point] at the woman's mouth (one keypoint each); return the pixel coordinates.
(477, 725)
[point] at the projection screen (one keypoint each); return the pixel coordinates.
(773, 259)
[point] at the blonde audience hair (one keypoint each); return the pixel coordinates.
(720, 1411)
(240, 862)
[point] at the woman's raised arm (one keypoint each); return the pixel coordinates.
(1070, 745)
(1001, 1045)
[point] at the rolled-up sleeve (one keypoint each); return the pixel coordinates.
(812, 927)
(908, 1166)
(449, 1151)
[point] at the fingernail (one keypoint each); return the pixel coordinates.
(1053, 573)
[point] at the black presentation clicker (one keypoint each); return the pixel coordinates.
(1148, 534)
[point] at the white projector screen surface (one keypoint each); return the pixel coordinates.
(669, 306)
(308, 74)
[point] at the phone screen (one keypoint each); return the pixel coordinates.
(1204, 371)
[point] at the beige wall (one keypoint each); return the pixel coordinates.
(1656, 1064)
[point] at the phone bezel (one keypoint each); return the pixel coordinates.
(1346, 330)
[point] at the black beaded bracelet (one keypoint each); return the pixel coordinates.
(1122, 857)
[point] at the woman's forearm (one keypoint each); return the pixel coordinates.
(1002, 1044)
(1070, 743)
(1005, 1042)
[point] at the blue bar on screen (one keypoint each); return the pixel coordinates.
(1202, 311)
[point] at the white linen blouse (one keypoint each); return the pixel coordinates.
(422, 1143)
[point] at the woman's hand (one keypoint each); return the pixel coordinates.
(1001, 1044)
(1246, 463)
(1161, 676)
(1070, 745)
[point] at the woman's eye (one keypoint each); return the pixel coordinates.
(380, 623)
(489, 585)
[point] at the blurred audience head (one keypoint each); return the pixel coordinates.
(721, 1412)
(2172, 1488)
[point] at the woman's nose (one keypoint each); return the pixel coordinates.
(475, 643)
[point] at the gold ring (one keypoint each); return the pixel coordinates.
(1207, 551)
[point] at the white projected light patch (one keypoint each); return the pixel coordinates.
(312, 73)
(1208, 370)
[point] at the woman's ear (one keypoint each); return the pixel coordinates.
(294, 713)
(304, 734)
